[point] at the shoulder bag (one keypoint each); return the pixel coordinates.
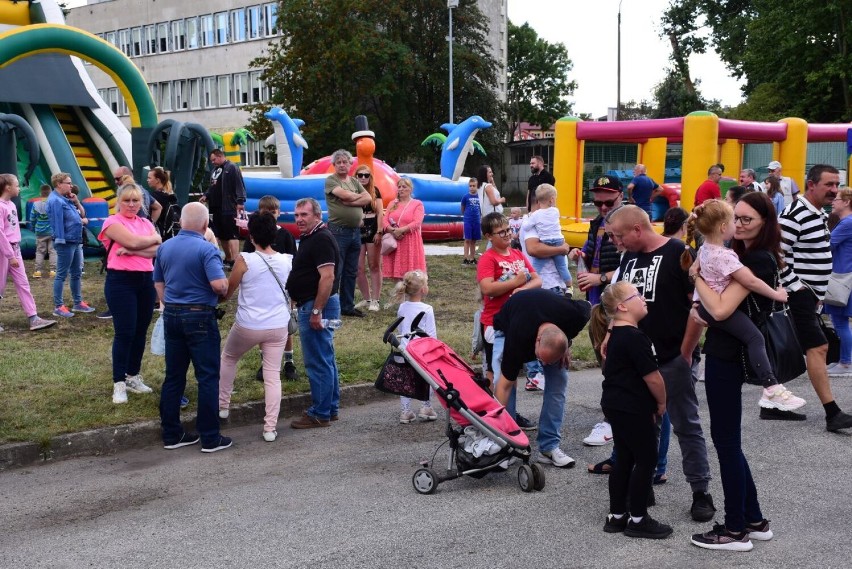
(389, 242)
(839, 289)
(293, 323)
(401, 379)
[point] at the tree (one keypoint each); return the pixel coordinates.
(538, 84)
(386, 60)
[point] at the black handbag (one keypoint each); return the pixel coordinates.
(833, 354)
(401, 379)
(782, 345)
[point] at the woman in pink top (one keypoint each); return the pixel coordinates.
(403, 220)
(131, 243)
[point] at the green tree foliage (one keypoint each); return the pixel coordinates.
(538, 84)
(793, 54)
(386, 60)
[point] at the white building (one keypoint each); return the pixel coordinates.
(195, 54)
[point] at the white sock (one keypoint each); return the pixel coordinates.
(636, 520)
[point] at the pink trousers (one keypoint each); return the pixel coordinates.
(271, 342)
(19, 278)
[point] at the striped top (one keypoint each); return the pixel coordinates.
(806, 247)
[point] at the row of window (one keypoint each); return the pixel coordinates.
(221, 28)
(197, 93)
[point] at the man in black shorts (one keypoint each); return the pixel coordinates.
(226, 198)
(807, 255)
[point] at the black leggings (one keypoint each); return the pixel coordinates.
(636, 445)
(740, 326)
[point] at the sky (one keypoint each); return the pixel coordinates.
(589, 30)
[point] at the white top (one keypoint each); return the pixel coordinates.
(549, 275)
(485, 206)
(409, 310)
(546, 223)
(261, 301)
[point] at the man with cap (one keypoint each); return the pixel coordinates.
(788, 185)
(599, 253)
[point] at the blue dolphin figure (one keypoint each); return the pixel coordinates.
(459, 145)
(288, 141)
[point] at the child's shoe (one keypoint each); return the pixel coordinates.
(779, 397)
(52, 274)
(136, 385)
(63, 312)
(37, 275)
(37, 323)
(374, 306)
(119, 392)
(82, 306)
(427, 413)
(407, 417)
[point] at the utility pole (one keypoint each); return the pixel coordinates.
(450, 5)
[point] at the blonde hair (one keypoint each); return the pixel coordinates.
(706, 219)
(613, 295)
(164, 177)
(125, 188)
(544, 193)
(412, 283)
(845, 194)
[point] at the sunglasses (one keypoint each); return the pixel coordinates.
(607, 203)
(364, 175)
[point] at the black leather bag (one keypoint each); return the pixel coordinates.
(833, 354)
(401, 379)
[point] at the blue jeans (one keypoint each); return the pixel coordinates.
(349, 243)
(723, 382)
(69, 259)
(319, 360)
(841, 326)
(552, 403)
(663, 448)
(192, 335)
(130, 296)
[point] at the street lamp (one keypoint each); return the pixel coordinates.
(450, 5)
(618, 89)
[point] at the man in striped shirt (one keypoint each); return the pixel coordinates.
(807, 254)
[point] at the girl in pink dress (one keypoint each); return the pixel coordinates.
(403, 219)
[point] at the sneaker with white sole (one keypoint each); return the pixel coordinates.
(38, 323)
(221, 443)
(838, 369)
(224, 413)
(270, 436)
(406, 417)
(524, 423)
(83, 307)
(185, 439)
(557, 458)
(427, 413)
(119, 392)
(63, 312)
(759, 531)
(363, 304)
(720, 538)
(374, 306)
(779, 397)
(136, 385)
(601, 434)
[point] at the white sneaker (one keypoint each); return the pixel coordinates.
(119, 392)
(601, 434)
(427, 413)
(270, 436)
(406, 417)
(225, 413)
(557, 458)
(374, 306)
(135, 385)
(838, 369)
(363, 303)
(779, 397)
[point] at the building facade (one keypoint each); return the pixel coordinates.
(195, 55)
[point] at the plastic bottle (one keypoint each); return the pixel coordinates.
(581, 265)
(331, 324)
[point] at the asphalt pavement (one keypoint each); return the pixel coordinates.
(342, 497)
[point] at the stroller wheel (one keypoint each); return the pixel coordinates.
(538, 477)
(526, 478)
(425, 481)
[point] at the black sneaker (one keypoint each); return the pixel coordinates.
(353, 312)
(186, 439)
(759, 531)
(105, 315)
(648, 528)
(702, 509)
(779, 415)
(524, 423)
(615, 525)
(839, 421)
(290, 371)
(720, 538)
(221, 443)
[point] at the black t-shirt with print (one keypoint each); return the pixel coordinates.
(666, 288)
(624, 387)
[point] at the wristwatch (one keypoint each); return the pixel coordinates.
(604, 278)
(316, 311)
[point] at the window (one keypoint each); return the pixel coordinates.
(270, 16)
(254, 153)
(163, 37)
(165, 96)
(238, 25)
(224, 83)
(113, 100)
(221, 22)
(136, 39)
(150, 40)
(124, 41)
(178, 35)
(110, 37)
(207, 31)
(155, 91)
(181, 95)
(241, 88)
(257, 88)
(192, 33)
(254, 22)
(194, 93)
(104, 94)
(208, 92)
(123, 105)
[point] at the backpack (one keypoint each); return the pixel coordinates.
(169, 222)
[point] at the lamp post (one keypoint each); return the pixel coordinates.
(450, 5)
(618, 89)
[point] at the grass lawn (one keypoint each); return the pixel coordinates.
(59, 380)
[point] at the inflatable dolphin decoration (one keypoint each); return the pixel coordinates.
(288, 142)
(459, 145)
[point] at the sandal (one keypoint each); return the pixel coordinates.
(660, 479)
(603, 467)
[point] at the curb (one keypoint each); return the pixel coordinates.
(112, 440)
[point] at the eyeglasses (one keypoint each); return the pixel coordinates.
(629, 298)
(607, 203)
(66, 182)
(505, 233)
(364, 175)
(743, 220)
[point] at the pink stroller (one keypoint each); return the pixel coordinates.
(486, 437)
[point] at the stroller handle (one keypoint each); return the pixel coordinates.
(389, 337)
